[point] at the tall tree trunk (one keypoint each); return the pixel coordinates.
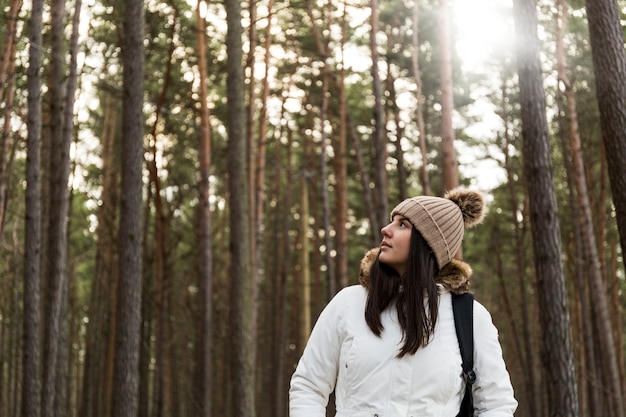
(98, 309)
(162, 398)
(255, 152)
(282, 295)
(240, 291)
(7, 94)
(365, 183)
(304, 284)
(590, 260)
(449, 164)
(527, 356)
(609, 63)
(341, 170)
(58, 172)
(394, 111)
(552, 296)
(324, 190)
(128, 329)
(62, 402)
(380, 137)
(419, 109)
(258, 165)
(7, 50)
(31, 385)
(204, 328)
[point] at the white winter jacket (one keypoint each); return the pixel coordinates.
(369, 380)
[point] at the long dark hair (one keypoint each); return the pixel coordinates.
(415, 295)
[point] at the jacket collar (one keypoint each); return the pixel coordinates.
(454, 276)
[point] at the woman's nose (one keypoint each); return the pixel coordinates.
(384, 230)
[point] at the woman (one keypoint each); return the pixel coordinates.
(388, 346)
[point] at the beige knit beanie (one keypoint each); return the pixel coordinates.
(441, 221)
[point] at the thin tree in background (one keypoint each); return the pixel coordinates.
(379, 135)
(94, 384)
(526, 353)
(609, 64)
(7, 95)
(588, 263)
(31, 386)
(341, 168)
(204, 329)
(59, 212)
(324, 183)
(419, 96)
(240, 281)
(552, 296)
(449, 164)
(128, 329)
(7, 48)
(56, 270)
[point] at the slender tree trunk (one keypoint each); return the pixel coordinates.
(7, 94)
(128, 329)
(324, 190)
(585, 236)
(7, 52)
(588, 383)
(527, 357)
(241, 285)
(57, 213)
(63, 380)
(255, 152)
(341, 171)
(365, 184)
(96, 335)
(305, 266)
(552, 297)
(282, 295)
(394, 111)
(379, 139)
(31, 385)
(204, 328)
(162, 397)
(419, 109)
(449, 164)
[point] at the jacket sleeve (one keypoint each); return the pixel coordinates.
(492, 391)
(316, 374)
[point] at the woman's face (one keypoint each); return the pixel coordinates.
(394, 248)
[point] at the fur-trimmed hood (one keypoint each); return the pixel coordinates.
(454, 276)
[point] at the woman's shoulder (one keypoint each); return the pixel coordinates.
(348, 297)
(351, 292)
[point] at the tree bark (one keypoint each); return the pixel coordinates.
(56, 277)
(552, 296)
(527, 356)
(7, 94)
(31, 388)
(241, 285)
(128, 329)
(609, 63)
(590, 260)
(379, 136)
(204, 329)
(341, 171)
(419, 109)
(449, 164)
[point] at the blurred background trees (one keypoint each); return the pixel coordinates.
(263, 143)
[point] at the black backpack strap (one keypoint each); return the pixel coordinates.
(463, 310)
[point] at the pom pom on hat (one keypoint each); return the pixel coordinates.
(441, 221)
(471, 204)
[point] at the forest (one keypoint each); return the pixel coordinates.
(184, 185)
